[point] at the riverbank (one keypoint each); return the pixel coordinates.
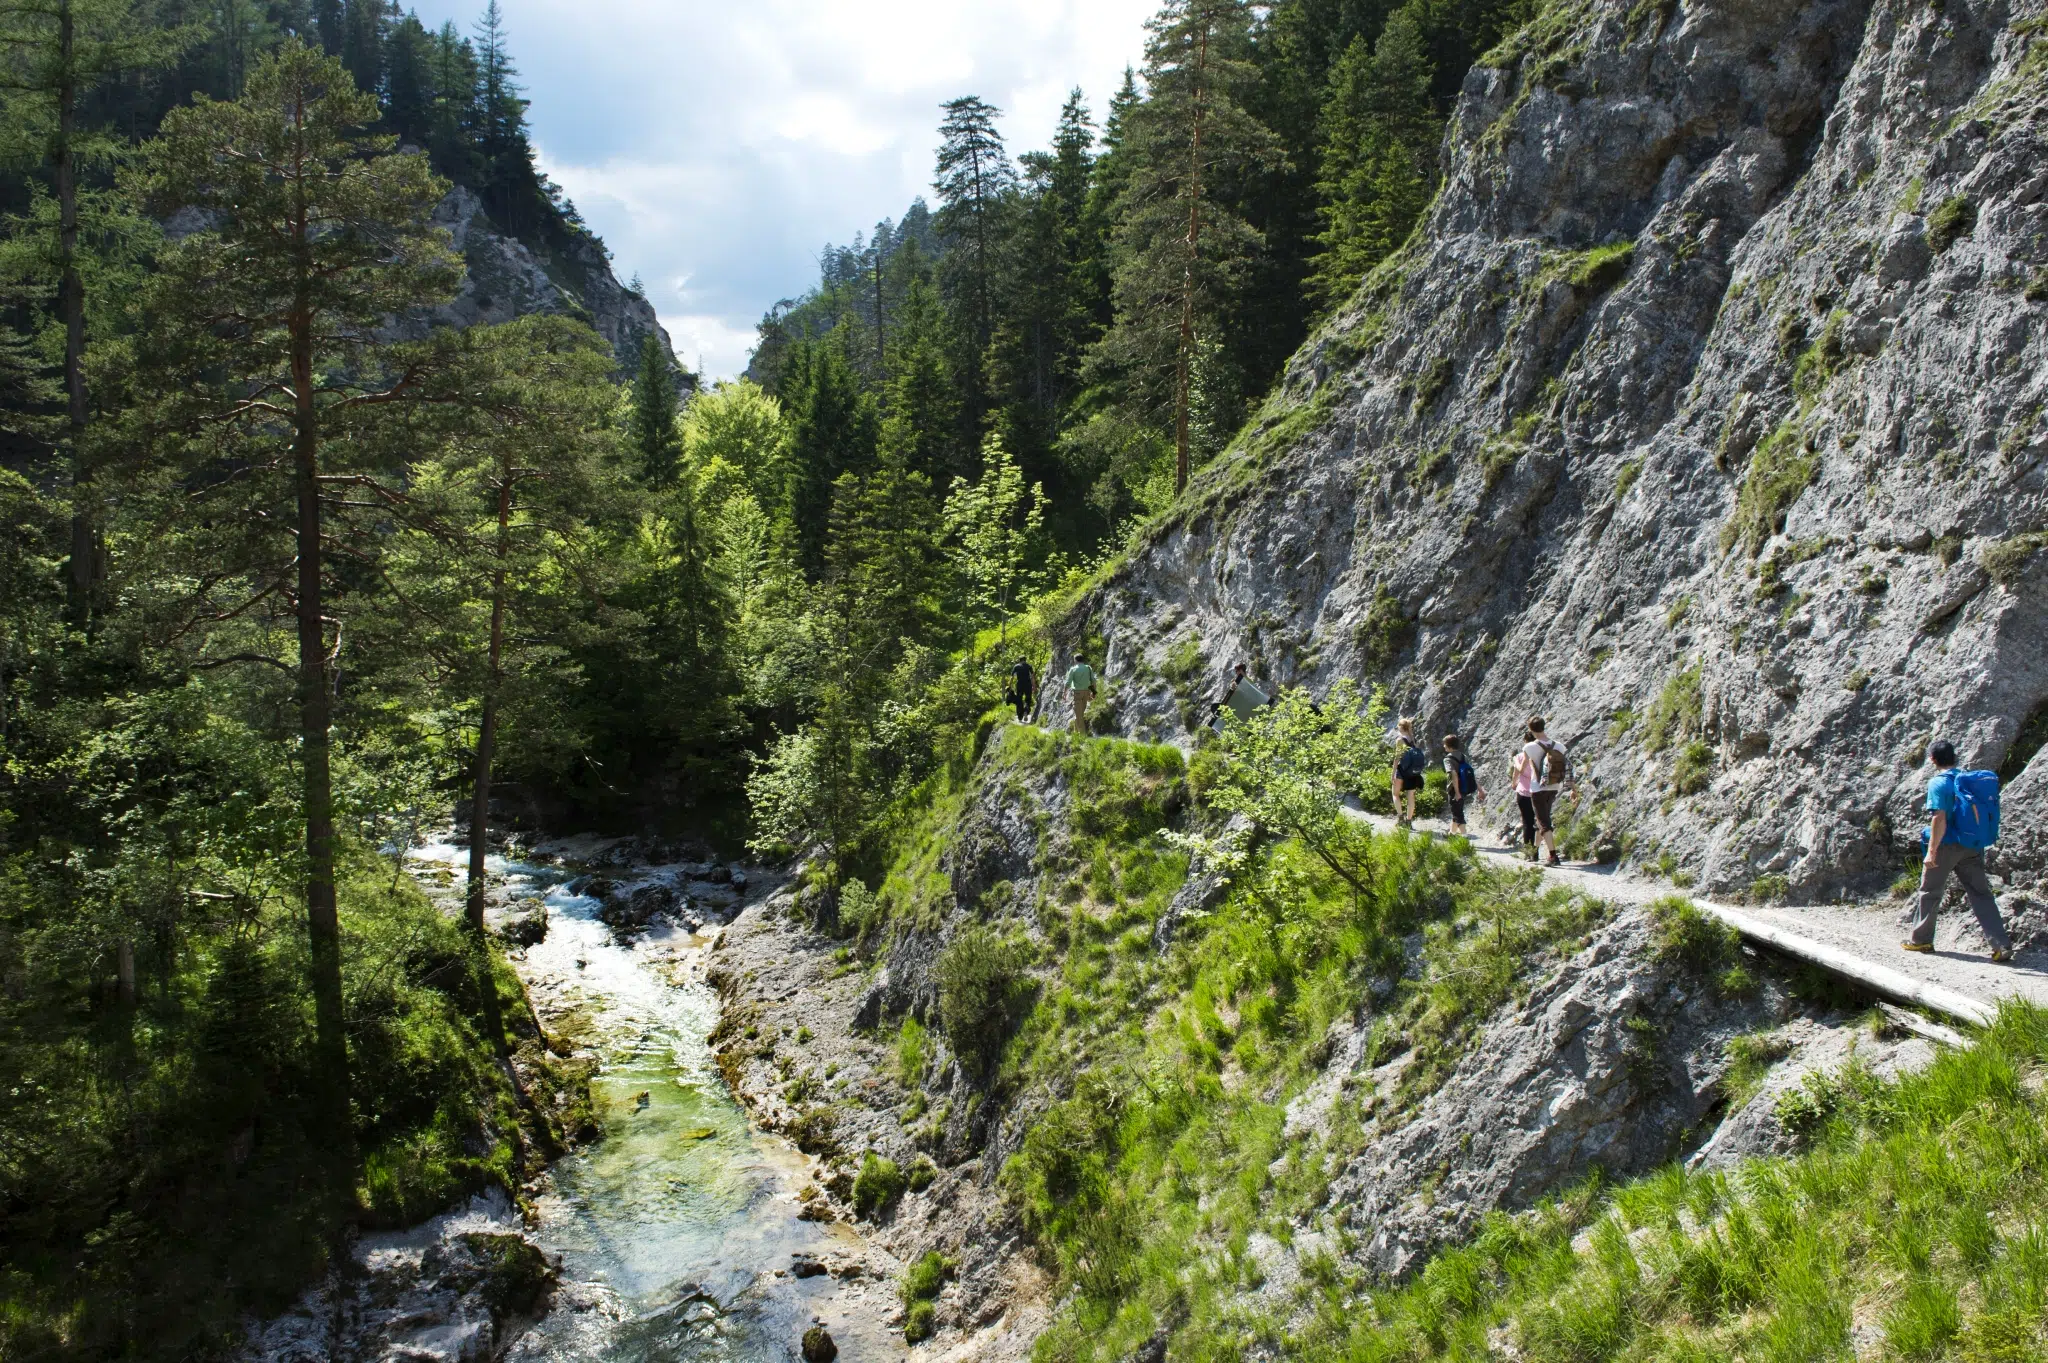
(674, 1229)
(798, 1047)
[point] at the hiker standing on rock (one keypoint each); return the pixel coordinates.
(1464, 782)
(1409, 764)
(1548, 771)
(1081, 682)
(1962, 809)
(1023, 692)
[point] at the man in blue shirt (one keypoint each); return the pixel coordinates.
(1946, 858)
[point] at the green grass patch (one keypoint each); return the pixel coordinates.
(1677, 713)
(1779, 470)
(1917, 1207)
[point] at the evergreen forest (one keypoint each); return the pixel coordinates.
(287, 587)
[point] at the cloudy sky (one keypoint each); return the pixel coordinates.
(717, 145)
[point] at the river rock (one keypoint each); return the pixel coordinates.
(628, 914)
(526, 929)
(818, 1346)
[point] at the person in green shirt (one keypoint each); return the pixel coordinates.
(1081, 683)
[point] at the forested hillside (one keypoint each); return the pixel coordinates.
(295, 570)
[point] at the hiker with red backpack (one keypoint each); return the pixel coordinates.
(1962, 809)
(1464, 782)
(1547, 770)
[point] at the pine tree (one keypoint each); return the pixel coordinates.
(1380, 139)
(657, 444)
(974, 180)
(1046, 322)
(1182, 249)
(60, 52)
(923, 419)
(883, 566)
(317, 235)
(995, 524)
(833, 429)
(497, 513)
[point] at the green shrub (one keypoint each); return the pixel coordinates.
(920, 1322)
(925, 1276)
(877, 1186)
(1601, 268)
(1693, 772)
(1626, 479)
(981, 980)
(1677, 713)
(1804, 1111)
(1692, 939)
(1768, 890)
(1384, 634)
(922, 1172)
(1951, 221)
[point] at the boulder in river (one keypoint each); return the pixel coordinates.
(818, 1345)
(628, 915)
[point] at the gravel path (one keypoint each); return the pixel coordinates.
(1870, 933)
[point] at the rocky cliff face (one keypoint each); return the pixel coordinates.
(507, 279)
(1707, 415)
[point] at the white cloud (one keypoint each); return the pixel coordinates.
(717, 146)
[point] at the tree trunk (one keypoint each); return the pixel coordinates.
(487, 724)
(85, 573)
(1185, 358)
(124, 971)
(881, 348)
(323, 918)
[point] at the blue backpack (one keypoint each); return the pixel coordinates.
(1975, 824)
(1468, 780)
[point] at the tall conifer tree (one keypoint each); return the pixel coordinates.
(56, 54)
(1380, 140)
(1182, 247)
(317, 234)
(657, 443)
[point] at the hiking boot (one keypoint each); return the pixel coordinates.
(2000, 955)
(1555, 860)
(1916, 946)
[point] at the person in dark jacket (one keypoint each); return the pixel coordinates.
(1023, 692)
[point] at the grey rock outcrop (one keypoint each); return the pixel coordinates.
(507, 279)
(1707, 414)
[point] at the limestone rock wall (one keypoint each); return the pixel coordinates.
(507, 279)
(1717, 376)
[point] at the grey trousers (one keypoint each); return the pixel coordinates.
(1967, 865)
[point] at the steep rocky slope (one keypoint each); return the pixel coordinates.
(1605, 1041)
(1707, 414)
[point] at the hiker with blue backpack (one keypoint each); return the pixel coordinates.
(1962, 809)
(1464, 782)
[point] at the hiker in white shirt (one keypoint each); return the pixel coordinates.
(1548, 771)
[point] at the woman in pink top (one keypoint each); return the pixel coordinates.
(1526, 780)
